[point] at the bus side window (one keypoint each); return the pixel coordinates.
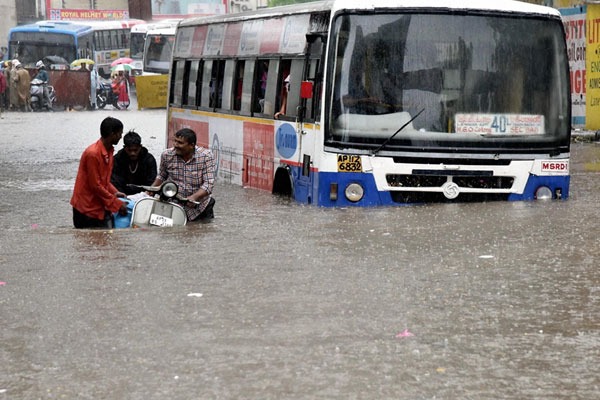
(105, 40)
(246, 107)
(186, 79)
(195, 89)
(260, 85)
(178, 83)
(227, 85)
(283, 86)
(216, 84)
(238, 84)
(205, 92)
(273, 86)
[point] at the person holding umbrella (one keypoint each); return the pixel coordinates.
(120, 87)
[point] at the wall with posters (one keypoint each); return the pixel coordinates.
(592, 66)
(83, 9)
(574, 21)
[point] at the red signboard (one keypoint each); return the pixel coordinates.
(258, 155)
(74, 14)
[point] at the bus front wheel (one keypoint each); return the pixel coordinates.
(282, 184)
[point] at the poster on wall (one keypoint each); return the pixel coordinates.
(574, 22)
(592, 66)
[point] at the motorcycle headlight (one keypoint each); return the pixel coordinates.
(169, 190)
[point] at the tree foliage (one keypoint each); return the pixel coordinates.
(274, 3)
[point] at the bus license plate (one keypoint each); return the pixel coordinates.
(349, 163)
(160, 220)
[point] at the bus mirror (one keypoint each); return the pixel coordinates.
(306, 90)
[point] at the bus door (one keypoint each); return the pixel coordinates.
(292, 134)
(304, 103)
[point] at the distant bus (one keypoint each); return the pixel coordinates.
(101, 41)
(138, 39)
(158, 50)
(111, 41)
(385, 102)
(62, 39)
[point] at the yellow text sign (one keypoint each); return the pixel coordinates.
(151, 91)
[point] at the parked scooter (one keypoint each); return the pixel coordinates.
(158, 210)
(38, 100)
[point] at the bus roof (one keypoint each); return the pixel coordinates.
(65, 27)
(145, 27)
(113, 24)
(162, 31)
(458, 5)
(336, 5)
(300, 8)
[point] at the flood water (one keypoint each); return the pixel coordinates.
(275, 300)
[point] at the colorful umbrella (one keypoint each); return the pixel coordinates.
(77, 63)
(122, 67)
(122, 60)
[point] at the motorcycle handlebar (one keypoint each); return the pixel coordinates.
(156, 189)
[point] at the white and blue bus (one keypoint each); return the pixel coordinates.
(384, 103)
(67, 40)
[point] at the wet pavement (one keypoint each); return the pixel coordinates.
(275, 300)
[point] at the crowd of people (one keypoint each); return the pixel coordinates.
(14, 87)
(103, 177)
(15, 81)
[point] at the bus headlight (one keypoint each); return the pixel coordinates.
(543, 193)
(354, 192)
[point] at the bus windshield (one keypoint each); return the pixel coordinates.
(137, 45)
(31, 47)
(159, 48)
(483, 82)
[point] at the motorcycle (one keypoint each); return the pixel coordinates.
(37, 99)
(107, 94)
(161, 209)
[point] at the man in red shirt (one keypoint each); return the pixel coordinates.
(95, 199)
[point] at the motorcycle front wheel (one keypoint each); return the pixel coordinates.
(100, 101)
(35, 104)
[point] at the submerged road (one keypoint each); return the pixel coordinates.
(275, 300)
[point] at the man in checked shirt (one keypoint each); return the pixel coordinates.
(192, 168)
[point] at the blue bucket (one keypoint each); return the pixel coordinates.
(124, 221)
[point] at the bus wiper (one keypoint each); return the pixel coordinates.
(397, 132)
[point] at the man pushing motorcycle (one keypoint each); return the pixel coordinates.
(192, 168)
(94, 198)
